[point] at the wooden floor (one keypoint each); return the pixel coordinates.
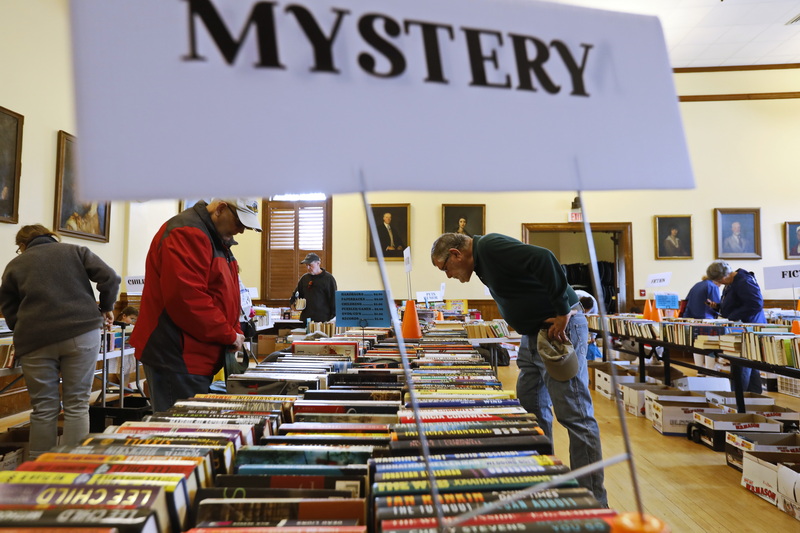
(682, 482)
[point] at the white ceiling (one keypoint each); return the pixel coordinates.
(714, 33)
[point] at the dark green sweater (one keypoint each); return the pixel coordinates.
(526, 281)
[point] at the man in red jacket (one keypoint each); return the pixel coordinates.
(190, 305)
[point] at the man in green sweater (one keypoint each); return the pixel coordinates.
(532, 293)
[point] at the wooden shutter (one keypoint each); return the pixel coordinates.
(293, 229)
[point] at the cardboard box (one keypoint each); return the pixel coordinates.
(789, 418)
(603, 381)
(633, 396)
(11, 456)
(729, 398)
(672, 418)
(657, 373)
(670, 394)
(789, 489)
(602, 366)
(760, 472)
(737, 443)
(266, 344)
(697, 383)
(710, 428)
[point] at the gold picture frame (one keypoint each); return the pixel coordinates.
(673, 234)
(11, 124)
(399, 220)
(738, 233)
(85, 220)
(469, 219)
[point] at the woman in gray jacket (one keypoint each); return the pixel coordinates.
(47, 299)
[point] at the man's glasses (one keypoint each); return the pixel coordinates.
(444, 265)
(236, 218)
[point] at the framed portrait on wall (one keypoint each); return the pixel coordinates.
(738, 233)
(469, 219)
(673, 235)
(86, 220)
(791, 239)
(10, 164)
(394, 230)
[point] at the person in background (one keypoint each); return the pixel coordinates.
(390, 238)
(702, 292)
(532, 294)
(741, 302)
(120, 368)
(318, 288)
(672, 245)
(462, 227)
(736, 242)
(47, 300)
(191, 303)
(588, 302)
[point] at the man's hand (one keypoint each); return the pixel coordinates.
(108, 319)
(558, 327)
(239, 343)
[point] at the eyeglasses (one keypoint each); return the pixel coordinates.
(444, 265)
(19, 250)
(239, 224)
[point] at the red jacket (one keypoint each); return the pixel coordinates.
(190, 302)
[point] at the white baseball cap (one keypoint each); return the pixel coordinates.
(246, 210)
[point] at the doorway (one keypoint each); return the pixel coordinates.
(613, 244)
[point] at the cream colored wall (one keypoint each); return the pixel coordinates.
(741, 153)
(37, 83)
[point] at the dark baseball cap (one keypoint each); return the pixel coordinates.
(310, 258)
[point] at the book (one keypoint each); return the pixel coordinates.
(234, 436)
(539, 443)
(64, 519)
(174, 485)
(473, 472)
(482, 462)
(203, 471)
(303, 470)
(212, 527)
(221, 448)
(264, 492)
(325, 439)
(422, 486)
(356, 486)
(333, 427)
(244, 430)
(346, 418)
(564, 516)
(43, 496)
(419, 505)
(328, 394)
(273, 509)
(300, 454)
(187, 470)
(475, 431)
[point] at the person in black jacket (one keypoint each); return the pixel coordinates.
(318, 288)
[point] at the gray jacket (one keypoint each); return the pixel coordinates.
(46, 294)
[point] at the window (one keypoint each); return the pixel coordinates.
(294, 227)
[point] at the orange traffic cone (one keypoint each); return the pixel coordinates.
(648, 310)
(411, 329)
(439, 315)
(798, 305)
(796, 327)
(655, 314)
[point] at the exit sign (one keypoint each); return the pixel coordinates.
(576, 216)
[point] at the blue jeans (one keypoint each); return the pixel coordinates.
(167, 387)
(751, 380)
(571, 401)
(75, 360)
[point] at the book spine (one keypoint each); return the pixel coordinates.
(461, 484)
(490, 472)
